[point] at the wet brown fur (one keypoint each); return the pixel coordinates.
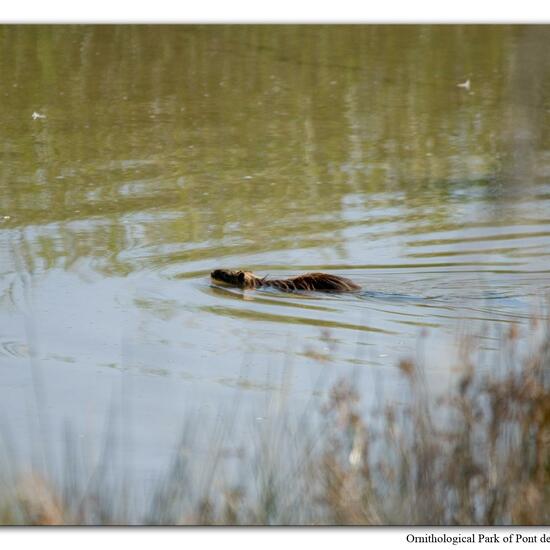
(323, 282)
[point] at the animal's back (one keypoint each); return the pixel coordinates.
(323, 282)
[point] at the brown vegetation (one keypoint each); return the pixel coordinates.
(480, 455)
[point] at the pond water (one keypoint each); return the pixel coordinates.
(134, 160)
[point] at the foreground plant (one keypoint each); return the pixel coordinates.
(480, 455)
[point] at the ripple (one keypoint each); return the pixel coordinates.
(291, 320)
(258, 296)
(480, 238)
(14, 349)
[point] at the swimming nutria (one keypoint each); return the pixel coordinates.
(308, 281)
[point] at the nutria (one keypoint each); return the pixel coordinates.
(308, 281)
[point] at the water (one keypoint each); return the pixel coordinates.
(413, 160)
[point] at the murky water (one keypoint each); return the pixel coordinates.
(413, 160)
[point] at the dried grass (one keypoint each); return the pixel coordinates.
(479, 456)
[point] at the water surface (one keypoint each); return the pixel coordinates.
(414, 160)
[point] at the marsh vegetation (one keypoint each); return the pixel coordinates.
(478, 455)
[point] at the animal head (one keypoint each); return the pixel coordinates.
(242, 279)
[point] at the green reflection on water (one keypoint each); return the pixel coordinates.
(183, 143)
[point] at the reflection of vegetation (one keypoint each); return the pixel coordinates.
(523, 136)
(291, 320)
(243, 136)
(482, 456)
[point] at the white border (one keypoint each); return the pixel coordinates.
(279, 11)
(251, 538)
